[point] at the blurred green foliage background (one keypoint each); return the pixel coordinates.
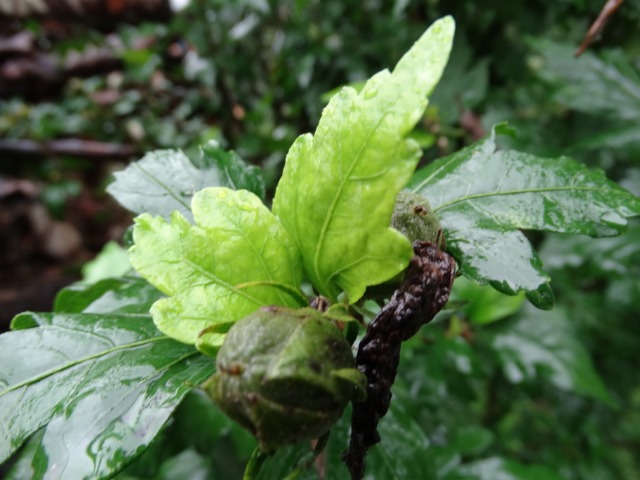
(494, 389)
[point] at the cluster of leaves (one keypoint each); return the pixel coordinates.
(454, 414)
(494, 389)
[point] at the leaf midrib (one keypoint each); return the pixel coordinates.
(80, 360)
(513, 192)
(162, 185)
(338, 194)
(218, 281)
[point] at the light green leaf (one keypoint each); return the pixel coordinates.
(112, 261)
(164, 181)
(338, 188)
(484, 304)
(484, 197)
(22, 468)
(100, 386)
(547, 344)
(236, 259)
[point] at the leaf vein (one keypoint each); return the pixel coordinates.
(475, 196)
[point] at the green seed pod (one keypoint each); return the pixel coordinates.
(285, 375)
(412, 215)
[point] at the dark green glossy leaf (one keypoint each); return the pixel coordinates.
(164, 181)
(200, 431)
(112, 261)
(497, 468)
(22, 467)
(604, 84)
(101, 386)
(546, 343)
(235, 173)
(125, 295)
(484, 197)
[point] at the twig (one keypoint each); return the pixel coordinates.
(597, 26)
(424, 291)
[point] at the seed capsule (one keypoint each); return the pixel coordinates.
(285, 375)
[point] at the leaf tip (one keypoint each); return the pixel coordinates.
(542, 298)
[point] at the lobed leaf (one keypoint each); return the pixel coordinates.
(164, 181)
(100, 386)
(484, 197)
(339, 187)
(236, 259)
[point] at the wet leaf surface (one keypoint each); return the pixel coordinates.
(101, 386)
(124, 295)
(484, 197)
(164, 181)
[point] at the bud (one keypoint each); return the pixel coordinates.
(285, 375)
(412, 215)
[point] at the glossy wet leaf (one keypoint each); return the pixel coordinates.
(547, 344)
(236, 259)
(338, 188)
(124, 295)
(164, 181)
(101, 386)
(197, 429)
(484, 197)
(606, 83)
(22, 467)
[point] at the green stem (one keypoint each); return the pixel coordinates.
(253, 465)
